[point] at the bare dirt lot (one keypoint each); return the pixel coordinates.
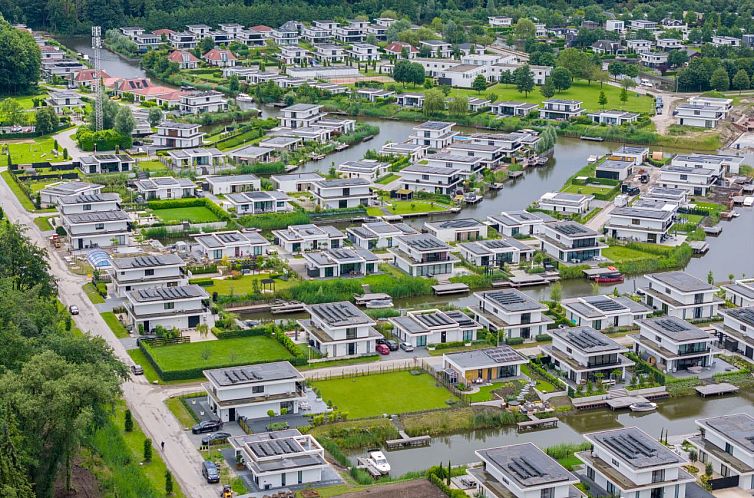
(419, 488)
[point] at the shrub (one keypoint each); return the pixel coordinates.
(543, 338)
(275, 221)
(512, 341)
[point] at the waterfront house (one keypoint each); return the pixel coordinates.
(695, 180)
(182, 40)
(94, 220)
(339, 263)
(184, 59)
(495, 252)
(232, 184)
(182, 307)
(250, 391)
(489, 155)
(482, 365)
(200, 160)
(636, 154)
(721, 164)
(457, 229)
(613, 117)
(673, 344)
(413, 151)
(165, 187)
(172, 135)
(614, 169)
(604, 312)
(368, 169)
(105, 163)
(146, 271)
(560, 109)
(423, 255)
(421, 328)
(300, 116)
(434, 134)
(258, 202)
(438, 180)
(465, 163)
(301, 238)
(676, 196)
(231, 244)
(510, 108)
(199, 102)
(340, 329)
(740, 292)
(726, 443)
(736, 332)
(519, 223)
(295, 182)
(53, 192)
(584, 355)
(412, 100)
(377, 234)
(643, 224)
(702, 116)
(681, 295)
(342, 193)
(220, 58)
(570, 242)
(561, 202)
(510, 313)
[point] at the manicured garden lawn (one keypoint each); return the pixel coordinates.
(195, 214)
(137, 355)
(92, 294)
(415, 206)
(484, 393)
(40, 150)
(374, 211)
(210, 354)
(387, 179)
(180, 412)
(151, 166)
(586, 189)
(43, 223)
(620, 254)
(244, 285)
(542, 386)
(112, 321)
(395, 392)
(580, 90)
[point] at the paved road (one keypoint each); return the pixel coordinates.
(144, 400)
(66, 141)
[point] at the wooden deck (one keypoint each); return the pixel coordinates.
(535, 423)
(407, 441)
(716, 389)
(444, 289)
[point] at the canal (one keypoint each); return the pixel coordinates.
(112, 63)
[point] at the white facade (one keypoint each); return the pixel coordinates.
(510, 313)
(94, 220)
(342, 193)
(570, 242)
(641, 224)
(378, 234)
(423, 255)
(232, 184)
(173, 135)
(364, 52)
(340, 329)
(560, 109)
(457, 229)
(145, 272)
(681, 295)
(201, 102)
(301, 116)
(425, 327)
(722, 165)
(52, 193)
(560, 202)
(434, 134)
(368, 169)
(183, 307)
(165, 187)
(695, 180)
(258, 202)
(232, 245)
(495, 252)
(736, 332)
(340, 263)
(301, 238)
(740, 292)
(604, 312)
(672, 344)
(586, 355)
(725, 442)
(519, 223)
(439, 180)
(296, 182)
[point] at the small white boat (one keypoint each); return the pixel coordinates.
(643, 407)
(377, 459)
(243, 97)
(592, 159)
(748, 201)
(735, 214)
(379, 303)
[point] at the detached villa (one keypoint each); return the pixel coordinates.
(681, 295)
(145, 272)
(482, 365)
(340, 329)
(604, 312)
(426, 327)
(727, 444)
(736, 332)
(302, 238)
(570, 242)
(182, 307)
(423, 255)
(232, 245)
(340, 263)
(377, 234)
(672, 344)
(511, 313)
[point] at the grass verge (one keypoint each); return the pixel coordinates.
(92, 294)
(112, 321)
(43, 223)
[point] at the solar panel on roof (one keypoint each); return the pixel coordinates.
(629, 446)
(586, 340)
(606, 304)
(506, 297)
(571, 229)
(524, 469)
(672, 325)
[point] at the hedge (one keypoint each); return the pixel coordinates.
(275, 221)
(252, 332)
(191, 202)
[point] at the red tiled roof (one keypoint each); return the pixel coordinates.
(217, 55)
(260, 27)
(160, 32)
(181, 56)
(89, 75)
(397, 47)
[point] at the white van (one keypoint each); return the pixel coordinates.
(646, 83)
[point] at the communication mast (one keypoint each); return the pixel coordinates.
(98, 90)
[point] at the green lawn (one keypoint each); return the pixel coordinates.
(137, 355)
(243, 285)
(580, 90)
(211, 354)
(586, 189)
(180, 412)
(373, 395)
(388, 178)
(374, 211)
(20, 195)
(415, 206)
(151, 166)
(542, 386)
(484, 393)
(195, 214)
(40, 150)
(620, 254)
(43, 223)
(92, 294)
(112, 321)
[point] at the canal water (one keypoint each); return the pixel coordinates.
(112, 63)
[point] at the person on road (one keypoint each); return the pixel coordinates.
(162, 446)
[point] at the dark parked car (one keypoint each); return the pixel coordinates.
(137, 370)
(215, 438)
(210, 472)
(630, 190)
(207, 426)
(393, 345)
(381, 340)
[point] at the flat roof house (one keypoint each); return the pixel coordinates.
(740, 292)
(438, 180)
(736, 332)
(613, 117)
(677, 196)
(673, 344)
(300, 115)
(232, 184)
(249, 391)
(296, 182)
(510, 313)
(496, 252)
(368, 169)
(146, 271)
(339, 263)
(681, 295)
(561, 202)
(669, 44)
(281, 459)
(643, 224)
(627, 461)
(522, 471)
(465, 164)
(172, 135)
(426, 327)
(52, 193)
(490, 155)
(434, 134)
(105, 163)
(639, 46)
(340, 329)
(695, 180)
(364, 52)
(423, 255)
(378, 234)
(61, 101)
(342, 193)
(457, 229)
(94, 220)
(182, 307)
(560, 109)
(436, 48)
(165, 187)
(514, 223)
(604, 312)
(570, 242)
(258, 202)
(509, 108)
(413, 151)
(653, 59)
(614, 169)
(726, 442)
(200, 160)
(637, 154)
(301, 238)
(232, 245)
(586, 355)
(482, 365)
(461, 75)
(199, 102)
(719, 163)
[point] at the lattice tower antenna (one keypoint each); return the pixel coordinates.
(98, 90)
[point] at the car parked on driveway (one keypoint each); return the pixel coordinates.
(383, 349)
(215, 438)
(407, 347)
(207, 426)
(210, 472)
(393, 345)
(73, 309)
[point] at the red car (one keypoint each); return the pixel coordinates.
(382, 349)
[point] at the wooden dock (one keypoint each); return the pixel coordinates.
(716, 389)
(699, 246)
(363, 463)
(407, 441)
(624, 401)
(290, 307)
(535, 423)
(713, 231)
(444, 289)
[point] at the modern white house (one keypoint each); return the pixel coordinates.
(301, 238)
(613, 117)
(511, 108)
(423, 255)
(172, 135)
(165, 187)
(669, 44)
(629, 463)
(250, 391)
(702, 116)
(258, 202)
(364, 52)
(438, 180)
(639, 46)
(604, 312)
(301, 115)
(584, 355)
(673, 344)
(726, 443)
(489, 154)
(519, 223)
(145, 272)
(413, 151)
(420, 328)
(342, 262)
(482, 365)
(570, 242)
(232, 245)
(634, 153)
(105, 163)
(461, 75)
(434, 134)
(377, 234)
(199, 102)
(340, 329)
(457, 229)
(201, 160)
(736, 332)
(614, 169)
(522, 471)
(643, 224)
(653, 59)
(560, 109)
(721, 164)
(293, 55)
(329, 52)
(232, 184)
(94, 220)
(465, 164)
(496, 252)
(500, 21)
(681, 295)
(561, 202)
(52, 193)
(182, 307)
(64, 100)
(615, 25)
(510, 313)
(281, 459)
(368, 169)
(740, 292)
(296, 182)
(342, 193)
(695, 180)
(725, 41)
(676, 196)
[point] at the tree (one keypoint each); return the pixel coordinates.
(741, 80)
(556, 292)
(124, 121)
(206, 44)
(416, 74)
(458, 106)
(234, 85)
(548, 89)
(46, 120)
(577, 62)
(434, 101)
(561, 78)
(710, 277)
(12, 112)
(128, 422)
(168, 483)
(623, 95)
(524, 29)
(524, 79)
(616, 68)
(154, 117)
(720, 80)
(479, 84)
(453, 34)
(677, 58)
(147, 450)
(22, 262)
(20, 61)
(13, 480)
(401, 71)
(602, 100)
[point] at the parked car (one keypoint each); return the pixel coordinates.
(137, 370)
(73, 309)
(630, 190)
(393, 345)
(207, 426)
(407, 347)
(381, 340)
(644, 178)
(210, 472)
(215, 438)
(383, 349)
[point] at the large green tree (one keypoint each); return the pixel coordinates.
(20, 60)
(524, 79)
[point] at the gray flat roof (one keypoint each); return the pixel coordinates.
(516, 218)
(253, 374)
(615, 165)
(500, 355)
(738, 427)
(69, 188)
(482, 247)
(97, 216)
(343, 182)
(249, 178)
(681, 281)
(526, 464)
(643, 212)
(434, 125)
(587, 339)
(430, 170)
(424, 242)
(456, 158)
(90, 198)
(147, 261)
(511, 300)
(745, 315)
(573, 229)
(158, 294)
(635, 447)
(340, 314)
(455, 223)
(674, 328)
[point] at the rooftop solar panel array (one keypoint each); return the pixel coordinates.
(636, 447)
(339, 314)
(436, 319)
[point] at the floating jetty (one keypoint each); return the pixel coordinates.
(287, 307)
(407, 441)
(445, 289)
(535, 423)
(699, 246)
(713, 231)
(716, 389)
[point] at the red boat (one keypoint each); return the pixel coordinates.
(609, 278)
